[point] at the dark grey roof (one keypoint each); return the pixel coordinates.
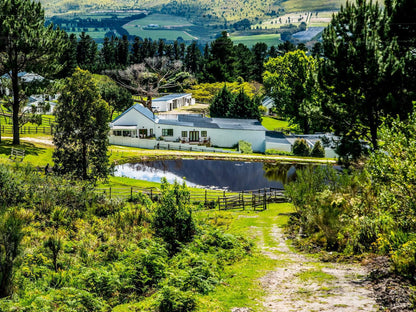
(218, 123)
(141, 109)
(170, 97)
(276, 137)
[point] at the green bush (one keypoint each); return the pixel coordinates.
(171, 299)
(245, 147)
(404, 259)
(11, 191)
(318, 150)
(301, 148)
(172, 220)
(272, 151)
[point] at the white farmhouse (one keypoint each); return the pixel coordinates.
(139, 127)
(172, 101)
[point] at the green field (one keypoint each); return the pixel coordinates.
(161, 20)
(159, 34)
(172, 27)
(249, 41)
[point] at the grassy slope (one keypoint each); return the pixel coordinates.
(242, 288)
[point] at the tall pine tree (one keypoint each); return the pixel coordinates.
(26, 44)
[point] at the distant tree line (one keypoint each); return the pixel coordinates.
(110, 22)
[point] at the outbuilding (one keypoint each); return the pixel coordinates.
(172, 101)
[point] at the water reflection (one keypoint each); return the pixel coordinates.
(216, 174)
(281, 172)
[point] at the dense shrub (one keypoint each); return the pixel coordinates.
(244, 147)
(172, 220)
(11, 190)
(301, 148)
(172, 299)
(272, 151)
(318, 150)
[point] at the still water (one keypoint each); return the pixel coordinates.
(215, 174)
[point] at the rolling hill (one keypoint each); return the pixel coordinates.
(221, 12)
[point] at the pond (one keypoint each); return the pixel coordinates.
(215, 174)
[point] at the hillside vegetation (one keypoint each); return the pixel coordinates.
(200, 11)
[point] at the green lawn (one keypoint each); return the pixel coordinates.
(272, 123)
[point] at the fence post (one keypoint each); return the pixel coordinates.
(242, 197)
(264, 201)
(219, 203)
(151, 194)
(205, 197)
(131, 193)
(110, 192)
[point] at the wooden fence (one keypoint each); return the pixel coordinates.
(254, 199)
(8, 129)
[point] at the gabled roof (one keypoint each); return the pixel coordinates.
(141, 109)
(170, 97)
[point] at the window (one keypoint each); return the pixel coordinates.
(203, 134)
(184, 134)
(167, 132)
(117, 132)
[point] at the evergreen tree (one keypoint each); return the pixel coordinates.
(192, 58)
(81, 134)
(243, 107)
(221, 64)
(358, 73)
(244, 62)
(87, 52)
(123, 49)
(108, 53)
(221, 103)
(26, 44)
(259, 51)
(69, 56)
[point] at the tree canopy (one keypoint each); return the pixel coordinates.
(26, 44)
(81, 133)
(227, 105)
(359, 71)
(291, 81)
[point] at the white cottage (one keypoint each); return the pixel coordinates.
(172, 101)
(139, 127)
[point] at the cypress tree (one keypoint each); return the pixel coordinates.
(221, 103)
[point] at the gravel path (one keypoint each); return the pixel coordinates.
(304, 283)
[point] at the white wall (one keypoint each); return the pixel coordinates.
(132, 142)
(219, 137)
(132, 118)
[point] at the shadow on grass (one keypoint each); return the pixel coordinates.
(30, 148)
